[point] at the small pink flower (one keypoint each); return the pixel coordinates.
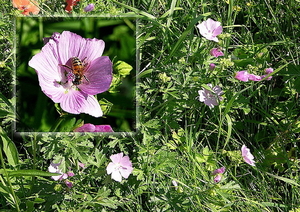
(210, 29)
(81, 165)
(209, 98)
(218, 178)
(54, 168)
(216, 52)
(218, 173)
(58, 82)
(248, 157)
(70, 174)
(94, 128)
(242, 76)
(69, 184)
(89, 8)
(253, 77)
(212, 66)
(268, 71)
(119, 167)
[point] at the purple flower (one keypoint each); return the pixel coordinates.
(210, 29)
(248, 157)
(216, 52)
(74, 91)
(218, 173)
(210, 98)
(212, 66)
(242, 76)
(94, 128)
(53, 168)
(89, 8)
(119, 167)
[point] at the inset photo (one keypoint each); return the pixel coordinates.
(76, 74)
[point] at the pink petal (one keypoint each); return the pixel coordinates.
(254, 77)
(218, 30)
(217, 178)
(103, 128)
(99, 75)
(69, 45)
(73, 45)
(126, 172)
(125, 162)
(116, 175)
(86, 128)
(110, 168)
(117, 157)
(242, 76)
(73, 101)
(92, 107)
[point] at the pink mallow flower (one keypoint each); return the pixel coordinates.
(94, 128)
(242, 76)
(210, 29)
(211, 98)
(119, 167)
(89, 8)
(54, 168)
(212, 66)
(75, 93)
(69, 184)
(218, 173)
(247, 156)
(268, 71)
(216, 52)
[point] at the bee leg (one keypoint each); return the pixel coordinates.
(66, 66)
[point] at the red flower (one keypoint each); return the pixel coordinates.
(70, 5)
(28, 6)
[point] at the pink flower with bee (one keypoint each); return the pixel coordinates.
(71, 70)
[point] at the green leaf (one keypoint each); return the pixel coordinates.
(9, 149)
(31, 172)
(123, 68)
(230, 186)
(287, 180)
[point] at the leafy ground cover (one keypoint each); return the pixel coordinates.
(186, 152)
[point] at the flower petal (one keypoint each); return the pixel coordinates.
(116, 175)
(99, 75)
(103, 128)
(110, 168)
(125, 172)
(116, 158)
(73, 101)
(92, 107)
(73, 45)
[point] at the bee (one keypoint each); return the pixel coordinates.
(78, 69)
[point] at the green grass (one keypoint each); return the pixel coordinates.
(179, 138)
